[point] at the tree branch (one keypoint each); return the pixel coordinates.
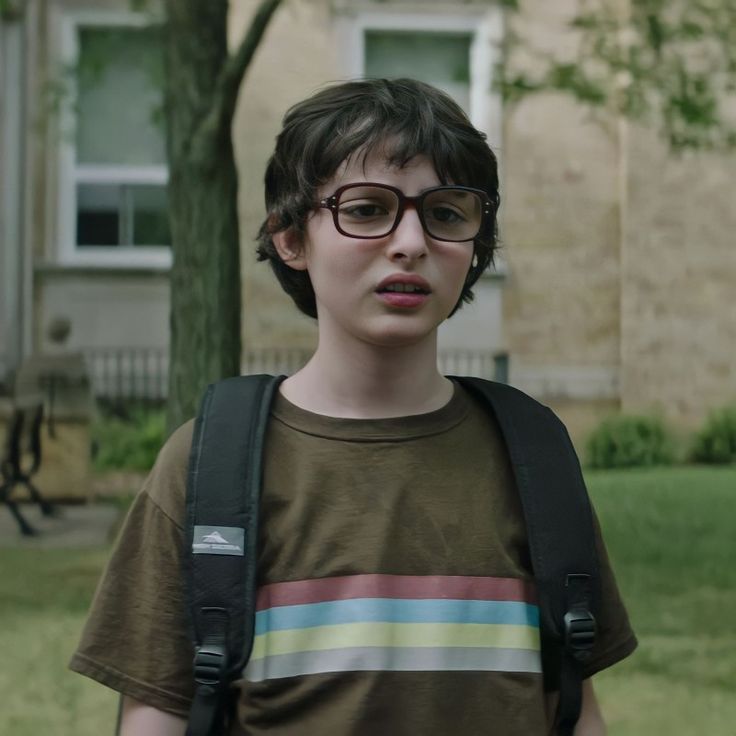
(225, 96)
(237, 65)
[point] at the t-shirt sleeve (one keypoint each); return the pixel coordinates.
(615, 638)
(136, 637)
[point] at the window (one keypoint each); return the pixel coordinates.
(455, 51)
(441, 59)
(112, 195)
(121, 215)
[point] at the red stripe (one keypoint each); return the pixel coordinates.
(417, 587)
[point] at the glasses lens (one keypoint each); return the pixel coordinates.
(366, 211)
(452, 214)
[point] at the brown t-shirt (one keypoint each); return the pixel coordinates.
(395, 587)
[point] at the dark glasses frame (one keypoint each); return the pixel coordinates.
(332, 203)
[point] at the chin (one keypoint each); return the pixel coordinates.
(401, 335)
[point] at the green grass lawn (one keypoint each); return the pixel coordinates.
(670, 533)
(671, 536)
(44, 597)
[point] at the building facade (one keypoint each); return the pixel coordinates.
(614, 286)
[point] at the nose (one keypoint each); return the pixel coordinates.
(408, 241)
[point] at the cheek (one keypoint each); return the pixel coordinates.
(458, 264)
(332, 265)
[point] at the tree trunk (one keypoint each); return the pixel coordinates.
(201, 88)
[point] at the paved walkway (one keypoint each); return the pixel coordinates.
(83, 525)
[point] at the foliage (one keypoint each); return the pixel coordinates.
(105, 44)
(11, 10)
(672, 61)
(716, 441)
(128, 444)
(66, 82)
(627, 441)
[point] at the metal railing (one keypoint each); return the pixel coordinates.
(276, 361)
(130, 373)
(141, 374)
(480, 363)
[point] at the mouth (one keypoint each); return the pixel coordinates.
(404, 292)
(401, 288)
(406, 283)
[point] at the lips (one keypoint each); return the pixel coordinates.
(406, 283)
(403, 291)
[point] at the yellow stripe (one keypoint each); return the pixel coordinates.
(378, 634)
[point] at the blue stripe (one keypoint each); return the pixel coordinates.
(395, 610)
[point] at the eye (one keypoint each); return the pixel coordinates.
(446, 214)
(362, 210)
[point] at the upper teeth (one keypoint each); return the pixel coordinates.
(403, 287)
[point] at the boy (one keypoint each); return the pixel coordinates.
(386, 486)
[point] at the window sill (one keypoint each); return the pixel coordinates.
(98, 268)
(115, 259)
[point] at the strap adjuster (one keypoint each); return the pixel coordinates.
(209, 665)
(580, 631)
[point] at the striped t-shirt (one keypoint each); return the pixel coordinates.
(395, 623)
(395, 590)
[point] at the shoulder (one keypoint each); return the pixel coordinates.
(167, 482)
(502, 394)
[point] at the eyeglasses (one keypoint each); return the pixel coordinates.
(450, 213)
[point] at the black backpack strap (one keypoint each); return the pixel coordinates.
(560, 528)
(223, 490)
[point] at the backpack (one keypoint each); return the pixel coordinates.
(223, 489)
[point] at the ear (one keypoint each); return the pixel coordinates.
(290, 247)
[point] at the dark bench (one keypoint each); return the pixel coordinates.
(21, 459)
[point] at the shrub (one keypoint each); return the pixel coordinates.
(716, 441)
(128, 444)
(628, 441)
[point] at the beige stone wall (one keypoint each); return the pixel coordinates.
(622, 260)
(297, 55)
(679, 281)
(105, 309)
(561, 233)
(561, 227)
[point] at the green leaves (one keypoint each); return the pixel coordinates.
(671, 63)
(628, 441)
(573, 78)
(716, 441)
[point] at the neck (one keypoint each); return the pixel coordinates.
(370, 381)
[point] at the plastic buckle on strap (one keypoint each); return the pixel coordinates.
(209, 665)
(580, 630)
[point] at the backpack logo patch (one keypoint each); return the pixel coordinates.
(218, 540)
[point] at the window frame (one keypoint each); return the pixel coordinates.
(483, 25)
(70, 173)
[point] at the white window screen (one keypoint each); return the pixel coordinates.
(438, 58)
(120, 96)
(120, 147)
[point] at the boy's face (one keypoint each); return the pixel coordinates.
(361, 284)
